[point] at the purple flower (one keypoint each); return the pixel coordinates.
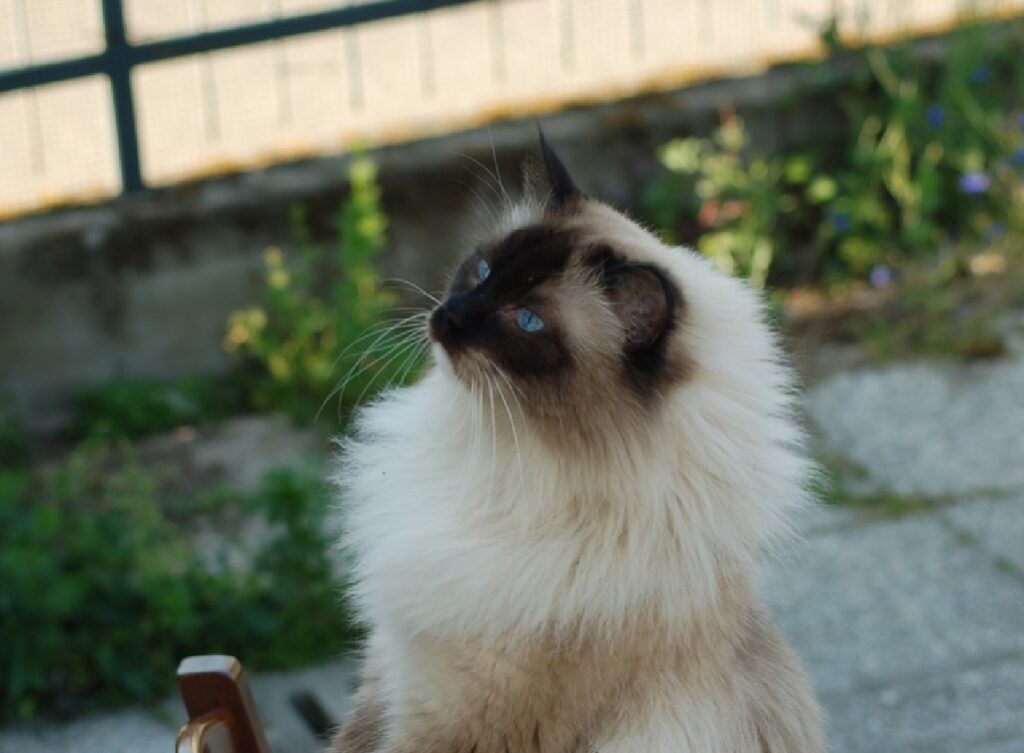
(936, 116)
(881, 276)
(981, 75)
(840, 221)
(975, 182)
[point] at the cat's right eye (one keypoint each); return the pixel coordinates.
(483, 270)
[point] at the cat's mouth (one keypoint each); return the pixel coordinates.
(432, 330)
(439, 329)
(447, 327)
(445, 331)
(450, 321)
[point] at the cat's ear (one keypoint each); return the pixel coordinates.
(549, 180)
(644, 301)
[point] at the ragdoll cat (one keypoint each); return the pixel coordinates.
(555, 531)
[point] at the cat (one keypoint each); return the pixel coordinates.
(555, 532)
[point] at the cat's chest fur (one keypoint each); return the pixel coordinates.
(453, 534)
(497, 631)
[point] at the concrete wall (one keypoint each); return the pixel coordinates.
(142, 286)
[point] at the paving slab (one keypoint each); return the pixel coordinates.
(132, 731)
(820, 518)
(911, 634)
(925, 428)
(996, 524)
(977, 710)
(892, 599)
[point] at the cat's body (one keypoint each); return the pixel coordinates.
(555, 530)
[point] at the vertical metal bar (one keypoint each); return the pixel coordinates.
(119, 71)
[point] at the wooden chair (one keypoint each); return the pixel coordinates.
(221, 713)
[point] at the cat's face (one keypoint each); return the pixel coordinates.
(565, 310)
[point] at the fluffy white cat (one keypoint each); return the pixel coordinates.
(555, 532)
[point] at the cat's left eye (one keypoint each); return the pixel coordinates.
(529, 321)
(483, 270)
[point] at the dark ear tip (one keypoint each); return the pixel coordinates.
(562, 186)
(545, 145)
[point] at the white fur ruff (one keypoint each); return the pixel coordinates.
(461, 523)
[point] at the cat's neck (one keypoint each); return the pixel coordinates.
(447, 496)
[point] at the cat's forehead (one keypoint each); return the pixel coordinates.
(589, 223)
(538, 244)
(533, 252)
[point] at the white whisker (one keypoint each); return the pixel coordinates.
(497, 170)
(414, 287)
(494, 440)
(396, 335)
(396, 352)
(493, 176)
(515, 436)
(374, 329)
(480, 202)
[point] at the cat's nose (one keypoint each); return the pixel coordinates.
(446, 321)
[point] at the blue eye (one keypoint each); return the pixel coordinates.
(529, 321)
(483, 270)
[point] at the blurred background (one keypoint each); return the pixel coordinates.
(216, 215)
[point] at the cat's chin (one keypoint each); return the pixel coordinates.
(443, 361)
(465, 373)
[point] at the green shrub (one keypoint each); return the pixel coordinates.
(132, 408)
(15, 445)
(101, 593)
(318, 303)
(928, 153)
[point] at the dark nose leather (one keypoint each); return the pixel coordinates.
(446, 322)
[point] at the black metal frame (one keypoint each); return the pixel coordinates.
(119, 57)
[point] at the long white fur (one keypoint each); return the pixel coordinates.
(458, 527)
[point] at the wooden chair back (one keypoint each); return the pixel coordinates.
(222, 717)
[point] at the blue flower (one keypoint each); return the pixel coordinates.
(840, 221)
(881, 276)
(1017, 157)
(981, 75)
(975, 182)
(936, 116)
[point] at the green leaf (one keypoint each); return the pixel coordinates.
(822, 189)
